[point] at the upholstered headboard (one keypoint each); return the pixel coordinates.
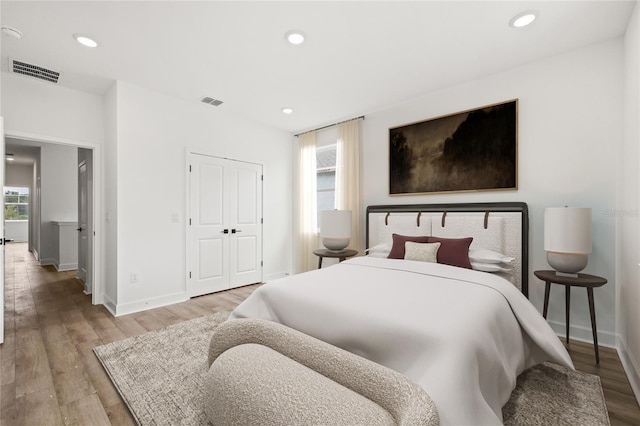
(502, 227)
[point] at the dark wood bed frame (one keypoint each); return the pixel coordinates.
(513, 207)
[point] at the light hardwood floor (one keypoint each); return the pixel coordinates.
(50, 376)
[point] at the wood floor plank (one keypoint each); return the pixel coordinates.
(51, 376)
(32, 365)
(86, 411)
(119, 415)
(38, 408)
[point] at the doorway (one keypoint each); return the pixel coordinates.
(62, 192)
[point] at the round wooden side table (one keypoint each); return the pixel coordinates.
(341, 255)
(582, 280)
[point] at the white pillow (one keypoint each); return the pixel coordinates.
(490, 267)
(379, 250)
(422, 252)
(489, 256)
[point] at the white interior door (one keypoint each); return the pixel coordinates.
(209, 217)
(2, 232)
(225, 231)
(246, 222)
(83, 225)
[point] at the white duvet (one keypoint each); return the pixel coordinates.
(463, 335)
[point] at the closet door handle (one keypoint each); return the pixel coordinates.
(233, 231)
(226, 231)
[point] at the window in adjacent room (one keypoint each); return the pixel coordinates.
(326, 178)
(16, 203)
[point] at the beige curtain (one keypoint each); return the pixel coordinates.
(348, 176)
(307, 202)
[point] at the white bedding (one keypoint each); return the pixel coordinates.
(463, 335)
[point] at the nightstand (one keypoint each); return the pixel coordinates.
(341, 255)
(582, 280)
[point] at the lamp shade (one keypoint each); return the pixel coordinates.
(335, 228)
(567, 230)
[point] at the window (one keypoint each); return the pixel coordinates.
(16, 203)
(326, 178)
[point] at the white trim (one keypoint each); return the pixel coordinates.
(274, 276)
(583, 334)
(145, 304)
(110, 305)
(97, 294)
(629, 368)
(65, 267)
(47, 262)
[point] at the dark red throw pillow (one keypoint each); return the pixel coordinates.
(397, 249)
(453, 251)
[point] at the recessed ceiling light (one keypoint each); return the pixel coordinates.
(287, 110)
(295, 37)
(12, 32)
(523, 19)
(85, 41)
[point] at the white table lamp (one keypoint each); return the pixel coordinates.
(567, 239)
(335, 229)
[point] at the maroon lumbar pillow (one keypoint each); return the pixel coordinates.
(397, 249)
(453, 251)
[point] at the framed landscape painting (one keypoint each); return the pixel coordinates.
(473, 150)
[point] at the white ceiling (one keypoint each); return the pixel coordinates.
(359, 57)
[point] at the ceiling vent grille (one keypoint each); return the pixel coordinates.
(211, 101)
(30, 70)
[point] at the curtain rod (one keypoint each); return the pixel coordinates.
(330, 125)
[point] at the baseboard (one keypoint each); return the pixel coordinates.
(65, 267)
(275, 276)
(109, 304)
(629, 369)
(156, 302)
(47, 262)
(583, 334)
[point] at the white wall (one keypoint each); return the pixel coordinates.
(19, 175)
(110, 285)
(59, 194)
(154, 133)
(628, 250)
(40, 108)
(570, 121)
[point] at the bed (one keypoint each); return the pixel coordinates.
(463, 335)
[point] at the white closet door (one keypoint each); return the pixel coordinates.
(226, 224)
(246, 224)
(209, 183)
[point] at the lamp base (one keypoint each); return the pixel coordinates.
(567, 264)
(335, 244)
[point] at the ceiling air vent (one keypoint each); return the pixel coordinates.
(211, 101)
(30, 70)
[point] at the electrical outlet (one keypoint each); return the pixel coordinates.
(134, 277)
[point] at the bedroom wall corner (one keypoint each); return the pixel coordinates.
(628, 226)
(110, 221)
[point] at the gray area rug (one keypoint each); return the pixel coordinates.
(550, 394)
(160, 377)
